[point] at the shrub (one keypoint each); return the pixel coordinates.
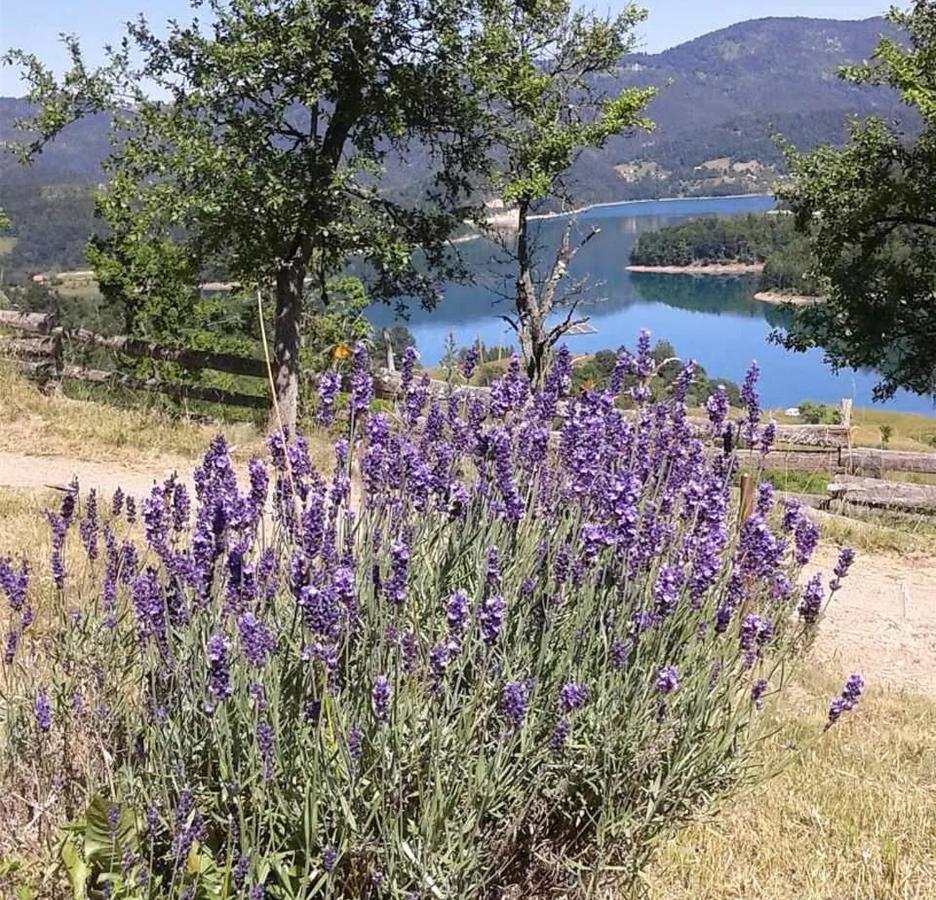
(536, 644)
(819, 413)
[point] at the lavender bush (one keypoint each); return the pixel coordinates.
(535, 643)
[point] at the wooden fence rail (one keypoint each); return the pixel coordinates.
(48, 341)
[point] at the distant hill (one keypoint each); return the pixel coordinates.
(720, 98)
(722, 95)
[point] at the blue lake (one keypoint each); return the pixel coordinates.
(714, 320)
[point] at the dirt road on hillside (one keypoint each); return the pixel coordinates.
(882, 623)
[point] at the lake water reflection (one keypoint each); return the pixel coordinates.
(712, 319)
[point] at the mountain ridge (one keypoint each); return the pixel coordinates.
(720, 98)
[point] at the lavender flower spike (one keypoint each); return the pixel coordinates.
(572, 696)
(380, 698)
(667, 680)
(515, 697)
(43, 711)
(847, 701)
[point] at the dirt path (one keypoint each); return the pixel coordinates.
(36, 472)
(882, 623)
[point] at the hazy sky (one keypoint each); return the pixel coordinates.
(35, 25)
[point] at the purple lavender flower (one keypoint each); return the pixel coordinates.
(240, 871)
(559, 736)
(59, 528)
(181, 506)
(257, 892)
(130, 507)
(355, 743)
(43, 711)
(619, 654)
(408, 652)
(758, 690)
(89, 526)
(572, 696)
(329, 859)
(792, 514)
(561, 566)
(848, 699)
(380, 698)
(149, 607)
(811, 603)
(666, 590)
(492, 573)
(751, 401)
(717, 408)
(623, 366)
(259, 487)
(456, 614)
(491, 618)
(843, 564)
(765, 498)
(755, 632)
(14, 583)
(470, 362)
(321, 610)
(407, 368)
(645, 365)
(515, 697)
(219, 676)
(805, 539)
(362, 387)
(768, 435)
(438, 663)
(117, 502)
(395, 586)
(667, 680)
(256, 640)
(12, 642)
(328, 387)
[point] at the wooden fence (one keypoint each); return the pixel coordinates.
(42, 355)
(812, 448)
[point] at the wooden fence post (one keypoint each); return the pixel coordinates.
(57, 363)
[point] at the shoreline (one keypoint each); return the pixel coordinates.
(591, 206)
(778, 298)
(505, 219)
(735, 268)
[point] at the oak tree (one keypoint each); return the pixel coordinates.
(256, 142)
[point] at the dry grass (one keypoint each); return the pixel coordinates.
(22, 526)
(851, 815)
(33, 423)
(881, 532)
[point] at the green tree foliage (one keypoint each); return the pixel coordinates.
(595, 372)
(765, 238)
(540, 68)
(266, 155)
(51, 224)
(869, 211)
(819, 413)
(710, 239)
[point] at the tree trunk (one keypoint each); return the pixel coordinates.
(531, 326)
(289, 282)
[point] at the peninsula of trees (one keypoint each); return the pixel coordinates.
(765, 244)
